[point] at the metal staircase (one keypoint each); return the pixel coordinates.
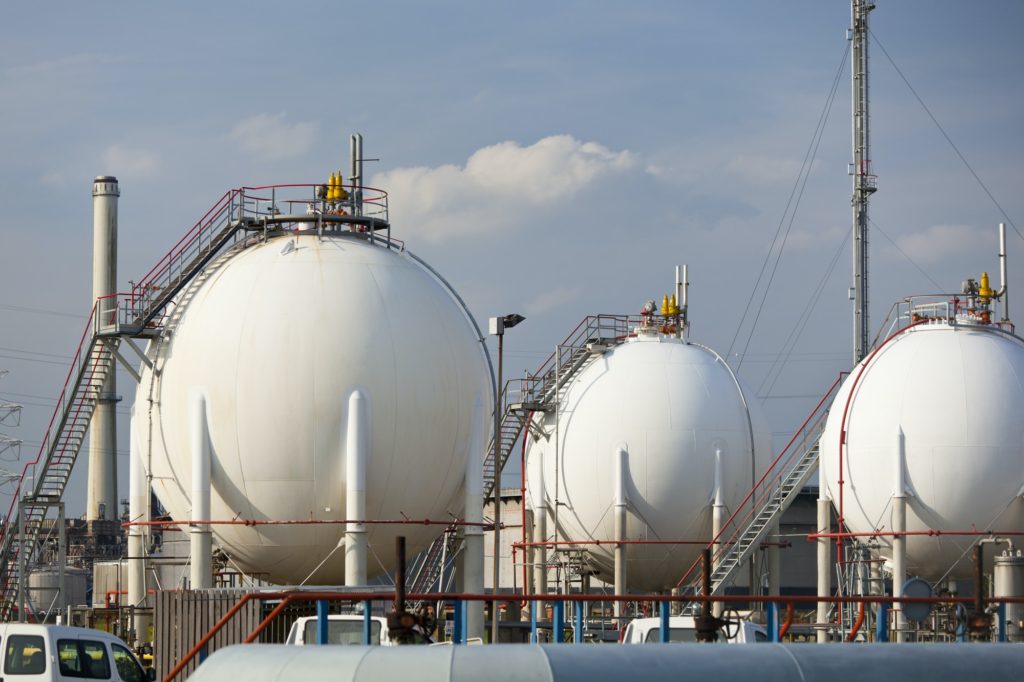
(49, 473)
(539, 392)
(765, 503)
(134, 314)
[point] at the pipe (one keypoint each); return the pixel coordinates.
(852, 637)
(138, 510)
(824, 566)
(540, 530)
(899, 525)
(473, 559)
(102, 486)
(788, 622)
(357, 453)
(201, 537)
(620, 473)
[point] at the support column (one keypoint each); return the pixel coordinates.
(357, 453)
(540, 532)
(899, 542)
(201, 536)
(473, 559)
(102, 484)
(620, 474)
(718, 518)
(774, 561)
(138, 511)
(824, 566)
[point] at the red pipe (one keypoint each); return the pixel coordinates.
(856, 624)
(789, 620)
(811, 537)
(302, 522)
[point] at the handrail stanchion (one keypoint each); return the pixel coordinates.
(368, 622)
(534, 605)
(459, 627)
(577, 633)
(773, 621)
(1001, 614)
(321, 621)
(663, 626)
(558, 622)
(882, 623)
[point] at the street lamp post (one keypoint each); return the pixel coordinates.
(498, 325)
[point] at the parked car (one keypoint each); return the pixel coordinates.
(45, 653)
(682, 629)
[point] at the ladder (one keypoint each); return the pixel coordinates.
(92, 364)
(765, 504)
(133, 314)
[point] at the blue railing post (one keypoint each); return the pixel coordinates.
(321, 621)
(663, 625)
(534, 605)
(773, 622)
(459, 628)
(558, 622)
(577, 633)
(882, 624)
(1001, 614)
(368, 622)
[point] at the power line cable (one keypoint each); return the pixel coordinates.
(938, 287)
(798, 189)
(944, 134)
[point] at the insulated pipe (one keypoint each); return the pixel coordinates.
(473, 559)
(717, 522)
(824, 566)
(899, 526)
(357, 453)
(620, 473)
(102, 486)
(200, 535)
(138, 510)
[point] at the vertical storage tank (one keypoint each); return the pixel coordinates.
(955, 389)
(276, 335)
(671, 405)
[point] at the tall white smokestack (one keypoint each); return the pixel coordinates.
(102, 499)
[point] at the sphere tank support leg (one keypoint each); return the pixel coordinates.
(357, 453)
(473, 560)
(201, 537)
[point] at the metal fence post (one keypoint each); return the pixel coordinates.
(368, 622)
(663, 625)
(773, 622)
(577, 634)
(321, 621)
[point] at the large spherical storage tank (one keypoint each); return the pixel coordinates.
(277, 336)
(955, 392)
(671, 405)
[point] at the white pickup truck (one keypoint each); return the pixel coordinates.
(341, 629)
(682, 629)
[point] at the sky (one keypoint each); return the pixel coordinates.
(555, 159)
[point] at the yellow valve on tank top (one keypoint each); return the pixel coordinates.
(673, 307)
(341, 193)
(332, 188)
(664, 306)
(985, 291)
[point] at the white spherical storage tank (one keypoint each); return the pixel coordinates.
(671, 405)
(955, 393)
(276, 337)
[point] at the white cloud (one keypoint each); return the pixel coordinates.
(939, 242)
(272, 138)
(122, 160)
(497, 184)
(551, 299)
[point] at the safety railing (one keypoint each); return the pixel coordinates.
(572, 615)
(764, 490)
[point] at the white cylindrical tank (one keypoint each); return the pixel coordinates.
(44, 588)
(955, 391)
(276, 338)
(671, 405)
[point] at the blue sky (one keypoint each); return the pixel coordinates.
(555, 159)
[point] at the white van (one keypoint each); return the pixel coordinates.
(45, 653)
(341, 629)
(682, 629)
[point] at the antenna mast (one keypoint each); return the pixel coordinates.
(864, 182)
